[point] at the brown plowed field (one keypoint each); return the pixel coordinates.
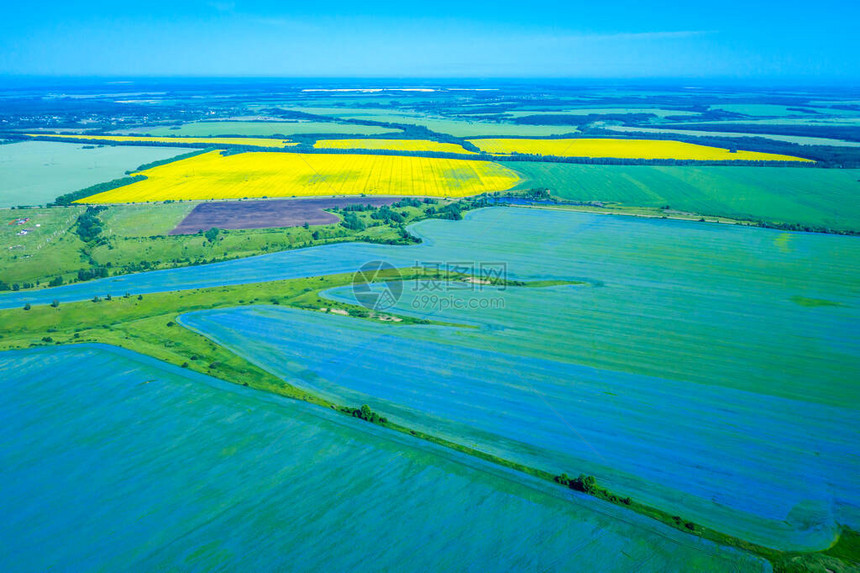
(265, 214)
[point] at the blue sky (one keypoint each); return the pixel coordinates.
(752, 40)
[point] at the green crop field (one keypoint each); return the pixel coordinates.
(465, 128)
(145, 219)
(826, 121)
(761, 110)
(455, 127)
(266, 128)
(813, 197)
(37, 172)
(603, 111)
(374, 114)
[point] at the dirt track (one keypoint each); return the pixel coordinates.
(265, 214)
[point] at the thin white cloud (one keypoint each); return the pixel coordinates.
(641, 35)
(223, 6)
(291, 25)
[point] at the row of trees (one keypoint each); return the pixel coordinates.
(88, 226)
(580, 120)
(69, 198)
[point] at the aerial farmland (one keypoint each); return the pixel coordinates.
(442, 325)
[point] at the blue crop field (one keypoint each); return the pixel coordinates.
(734, 460)
(123, 463)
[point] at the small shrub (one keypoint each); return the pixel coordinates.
(584, 483)
(364, 413)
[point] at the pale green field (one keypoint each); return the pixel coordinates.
(265, 129)
(602, 111)
(370, 113)
(37, 172)
(464, 128)
(455, 127)
(201, 141)
(758, 109)
(833, 120)
(836, 102)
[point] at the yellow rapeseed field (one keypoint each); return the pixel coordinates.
(392, 144)
(623, 149)
(269, 174)
(253, 141)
